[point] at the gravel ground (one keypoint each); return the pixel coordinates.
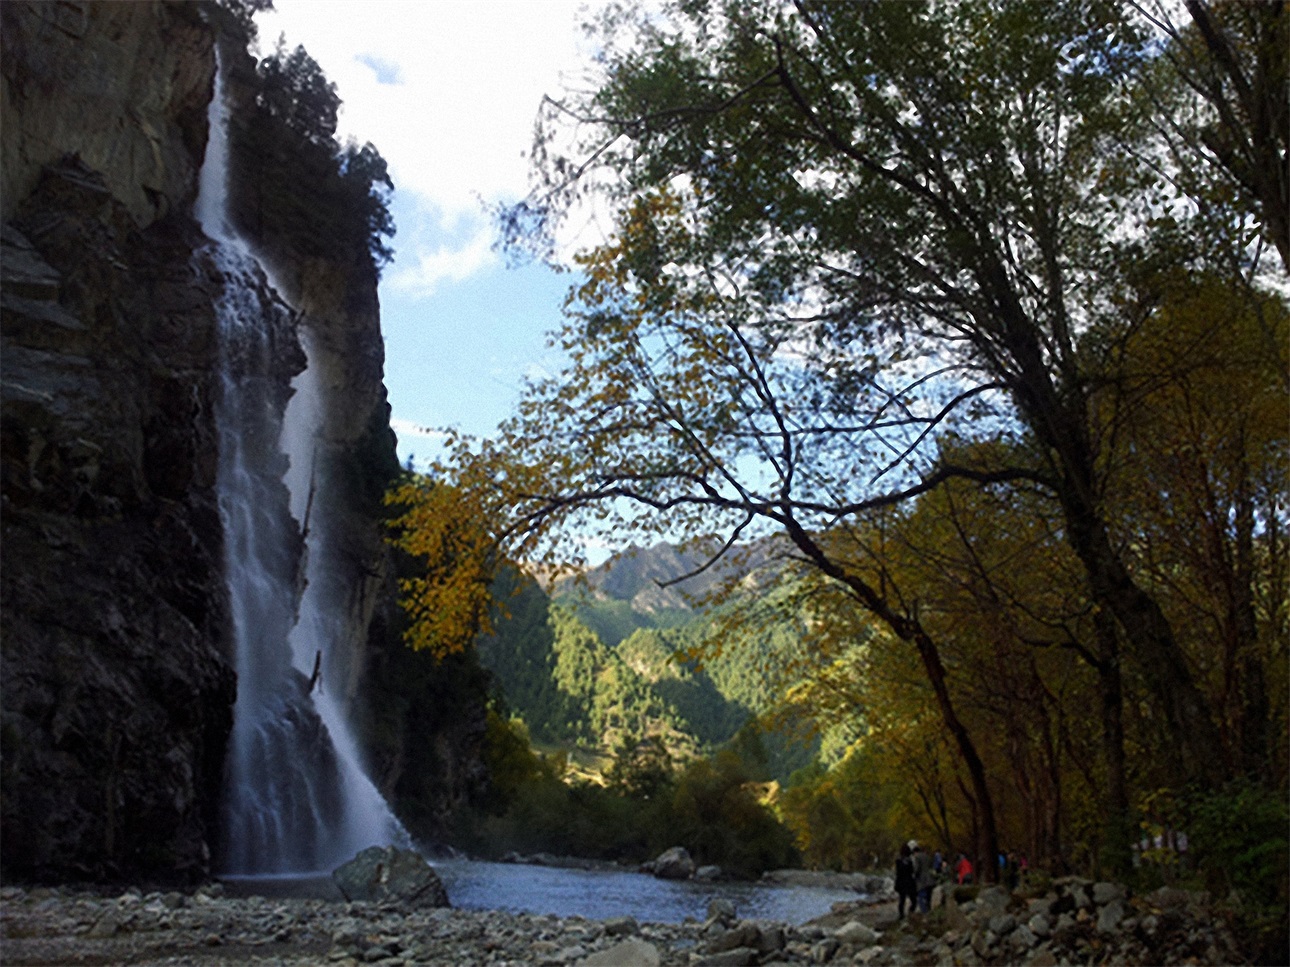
(205, 928)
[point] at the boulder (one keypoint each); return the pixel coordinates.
(378, 874)
(674, 864)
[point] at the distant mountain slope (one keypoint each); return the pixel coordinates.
(603, 659)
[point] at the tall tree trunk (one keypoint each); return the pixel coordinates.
(1060, 422)
(987, 840)
(1118, 825)
(1251, 690)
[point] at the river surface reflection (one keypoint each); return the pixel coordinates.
(598, 895)
(594, 894)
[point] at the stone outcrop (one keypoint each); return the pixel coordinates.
(116, 696)
(123, 85)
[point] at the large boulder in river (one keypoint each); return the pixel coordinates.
(388, 873)
(673, 864)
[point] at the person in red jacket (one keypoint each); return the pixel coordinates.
(963, 870)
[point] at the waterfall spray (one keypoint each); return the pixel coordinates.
(296, 798)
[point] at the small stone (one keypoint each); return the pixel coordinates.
(213, 940)
(1003, 924)
(721, 910)
(737, 957)
(740, 935)
(622, 926)
(993, 899)
(1022, 939)
(1104, 893)
(1040, 925)
(771, 938)
(106, 926)
(1110, 916)
(822, 952)
(629, 953)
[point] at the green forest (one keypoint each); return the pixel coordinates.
(949, 341)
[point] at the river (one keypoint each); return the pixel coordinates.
(593, 894)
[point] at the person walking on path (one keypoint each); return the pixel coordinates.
(905, 888)
(924, 877)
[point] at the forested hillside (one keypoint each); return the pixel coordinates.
(620, 657)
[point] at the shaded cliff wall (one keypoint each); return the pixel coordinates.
(116, 697)
(116, 685)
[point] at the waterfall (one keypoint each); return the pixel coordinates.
(296, 798)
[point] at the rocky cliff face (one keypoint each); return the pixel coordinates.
(116, 698)
(117, 686)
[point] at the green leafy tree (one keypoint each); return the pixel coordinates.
(295, 90)
(842, 228)
(642, 768)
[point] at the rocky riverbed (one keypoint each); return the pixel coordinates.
(1073, 922)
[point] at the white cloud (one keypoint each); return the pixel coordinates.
(446, 90)
(419, 272)
(406, 428)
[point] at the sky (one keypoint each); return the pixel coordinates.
(448, 92)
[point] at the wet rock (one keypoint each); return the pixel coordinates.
(674, 864)
(388, 873)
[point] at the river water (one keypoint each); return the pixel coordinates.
(594, 894)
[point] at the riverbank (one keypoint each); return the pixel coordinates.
(1076, 922)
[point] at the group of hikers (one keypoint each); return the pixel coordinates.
(917, 874)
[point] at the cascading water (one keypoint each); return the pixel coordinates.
(296, 797)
